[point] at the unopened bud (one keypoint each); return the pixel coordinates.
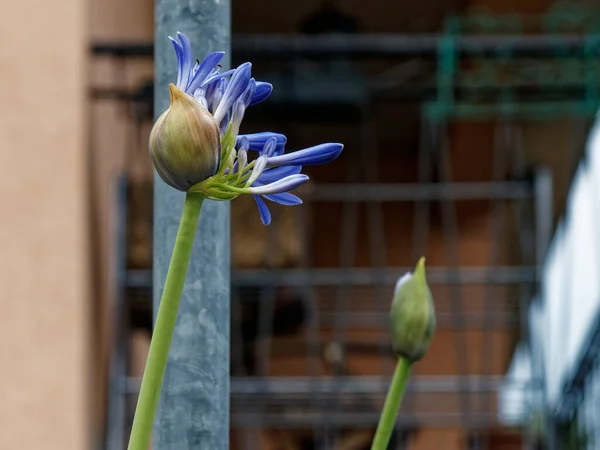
(412, 315)
(185, 142)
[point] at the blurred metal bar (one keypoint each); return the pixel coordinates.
(193, 410)
(360, 277)
(117, 406)
(451, 238)
(412, 192)
(122, 49)
(435, 275)
(501, 153)
(501, 320)
(302, 420)
(257, 46)
(543, 90)
(263, 388)
(365, 385)
(348, 239)
(544, 212)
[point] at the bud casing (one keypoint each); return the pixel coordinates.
(185, 142)
(412, 315)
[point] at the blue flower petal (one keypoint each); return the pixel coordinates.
(179, 54)
(248, 93)
(195, 69)
(270, 147)
(272, 175)
(262, 92)
(215, 96)
(187, 60)
(210, 91)
(212, 79)
(235, 88)
(319, 154)
(242, 142)
(265, 214)
(283, 185)
(258, 140)
(204, 70)
(284, 198)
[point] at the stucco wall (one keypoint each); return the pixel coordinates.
(43, 242)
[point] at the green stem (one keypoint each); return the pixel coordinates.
(165, 324)
(392, 403)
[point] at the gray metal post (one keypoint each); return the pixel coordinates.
(544, 212)
(193, 412)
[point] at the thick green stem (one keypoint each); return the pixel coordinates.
(392, 403)
(165, 324)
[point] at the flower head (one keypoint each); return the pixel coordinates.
(253, 164)
(412, 315)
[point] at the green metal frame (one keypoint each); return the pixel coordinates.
(492, 85)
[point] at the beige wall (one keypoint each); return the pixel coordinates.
(43, 255)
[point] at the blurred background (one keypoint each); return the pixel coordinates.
(471, 138)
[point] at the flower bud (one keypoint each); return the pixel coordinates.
(185, 142)
(412, 315)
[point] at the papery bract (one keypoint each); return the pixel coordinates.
(185, 142)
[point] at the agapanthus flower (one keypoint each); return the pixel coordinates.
(191, 160)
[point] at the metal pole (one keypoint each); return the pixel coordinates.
(193, 412)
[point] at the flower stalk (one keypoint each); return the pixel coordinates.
(165, 325)
(392, 404)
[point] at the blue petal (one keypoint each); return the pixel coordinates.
(187, 60)
(195, 69)
(236, 87)
(217, 94)
(265, 215)
(209, 94)
(215, 77)
(205, 69)
(243, 142)
(283, 185)
(258, 141)
(179, 54)
(248, 93)
(272, 175)
(319, 154)
(262, 92)
(237, 115)
(284, 198)
(270, 147)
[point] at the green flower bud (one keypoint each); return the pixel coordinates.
(185, 142)
(412, 315)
